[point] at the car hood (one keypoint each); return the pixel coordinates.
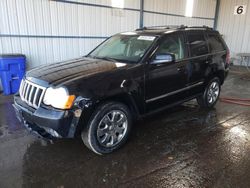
(59, 73)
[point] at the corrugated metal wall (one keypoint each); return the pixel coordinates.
(50, 31)
(160, 12)
(54, 31)
(235, 28)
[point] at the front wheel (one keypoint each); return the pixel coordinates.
(211, 94)
(108, 128)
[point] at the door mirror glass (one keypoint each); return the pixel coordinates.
(163, 58)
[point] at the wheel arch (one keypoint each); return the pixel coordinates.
(123, 98)
(219, 73)
(126, 99)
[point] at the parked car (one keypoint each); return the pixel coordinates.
(128, 76)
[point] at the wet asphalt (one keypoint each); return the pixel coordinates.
(181, 147)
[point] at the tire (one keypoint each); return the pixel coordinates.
(211, 94)
(108, 128)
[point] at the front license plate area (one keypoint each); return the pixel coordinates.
(18, 113)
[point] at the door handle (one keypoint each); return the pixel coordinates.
(180, 69)
(159, 64)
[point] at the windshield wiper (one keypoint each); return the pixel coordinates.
(109, 59)
(105, 58)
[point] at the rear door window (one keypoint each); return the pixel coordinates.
(215, 43)
(197, 44)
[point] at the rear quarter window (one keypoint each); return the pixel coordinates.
(197, 44)
(215, 43)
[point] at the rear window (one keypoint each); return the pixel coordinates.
(197, 44)
(215, 43)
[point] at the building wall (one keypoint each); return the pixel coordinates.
(235, 28)
(169, 12)
(51, 31)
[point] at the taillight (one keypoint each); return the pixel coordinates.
(228, 57)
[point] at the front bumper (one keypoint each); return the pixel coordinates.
(47, 123)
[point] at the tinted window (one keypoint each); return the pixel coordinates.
(215, 43)
(173, 45)
(198, 45)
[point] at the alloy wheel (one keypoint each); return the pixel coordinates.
(213, 92)
(112, 128)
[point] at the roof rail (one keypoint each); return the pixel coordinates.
(174, 27)
(201, 27)
(161, 27)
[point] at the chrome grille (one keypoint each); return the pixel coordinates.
(31, 93)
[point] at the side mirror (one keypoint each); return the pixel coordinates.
(163, 58)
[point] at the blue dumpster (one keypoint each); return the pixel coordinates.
(12, 70)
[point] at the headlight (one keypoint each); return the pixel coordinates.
(58, 98)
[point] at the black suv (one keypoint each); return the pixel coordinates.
(128, 76)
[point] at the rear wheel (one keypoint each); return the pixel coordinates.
(211, 94)
(108, 128)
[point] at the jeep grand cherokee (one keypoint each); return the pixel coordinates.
(128, 76)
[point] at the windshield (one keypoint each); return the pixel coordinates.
(125, 48)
